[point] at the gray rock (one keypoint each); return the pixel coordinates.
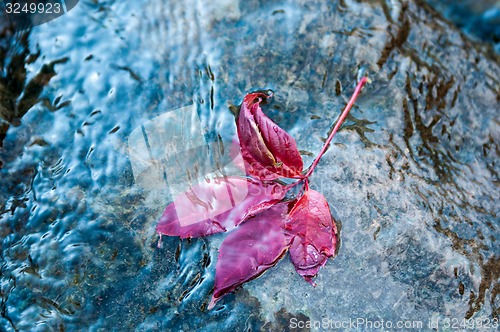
(412, 177)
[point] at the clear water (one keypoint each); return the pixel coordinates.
(478, 19)
(412, 177)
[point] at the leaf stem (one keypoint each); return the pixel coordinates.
(341, 119)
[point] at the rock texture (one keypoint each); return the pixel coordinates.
(412, 176)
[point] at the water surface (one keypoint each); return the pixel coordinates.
(412, 178)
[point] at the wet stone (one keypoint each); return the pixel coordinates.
(412, 176)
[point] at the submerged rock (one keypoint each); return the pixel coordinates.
(412, 177)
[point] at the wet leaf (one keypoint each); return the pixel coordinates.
(312, 233)
(269, 152)
(250, 250)
(217, 205)
(304, 226)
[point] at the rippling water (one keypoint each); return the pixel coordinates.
(478, 19)
(412, 176)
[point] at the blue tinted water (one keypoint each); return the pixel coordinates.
(479, 19)
(412, 178)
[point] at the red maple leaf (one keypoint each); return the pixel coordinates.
(269, 152)
(265, 224)
(312, 234)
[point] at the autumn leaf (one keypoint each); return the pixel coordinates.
(304, 226)
(269, 152)
(217, 205)
(312, 233)
(250, 250)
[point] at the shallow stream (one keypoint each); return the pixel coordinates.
(412, 177)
